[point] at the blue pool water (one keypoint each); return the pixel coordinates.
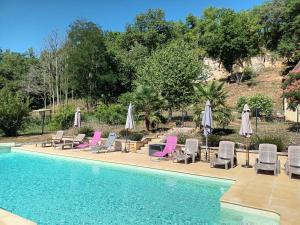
(57, 190)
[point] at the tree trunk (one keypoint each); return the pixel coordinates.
(147, 122)
(56, 80)
(170, 112)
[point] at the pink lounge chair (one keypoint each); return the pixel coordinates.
(169, 147)
(96, 138)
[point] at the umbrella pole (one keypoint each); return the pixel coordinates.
(206, 146)
(125, 150)
(247, 165)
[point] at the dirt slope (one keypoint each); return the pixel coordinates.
(267, 83)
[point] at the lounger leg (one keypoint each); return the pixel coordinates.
(290, 175)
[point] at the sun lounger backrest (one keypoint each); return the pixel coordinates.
(191, 146)
(170, 144)
(110, 140)
(294, 156)
(96, 138)
(267, 153)
(79, 137)
(59, 135)
(226, 150)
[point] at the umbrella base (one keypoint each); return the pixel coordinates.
(247, 166)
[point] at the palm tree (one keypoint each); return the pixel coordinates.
(215, 93)
(148, 101)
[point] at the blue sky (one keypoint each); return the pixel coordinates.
(27, 23)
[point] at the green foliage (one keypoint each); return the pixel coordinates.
(132, 136)
(148, 102)
(88, 131)
(63, 118)
(228, 36)
(264, 104)
(223, 116)
(89, 63)
(13, 67)
(241, 102)
(14, 109)
(280, 24)
(212, 140)
(181, 137)
(172, 71)
(112, 114)
(277, 140)
(291, 90)
(149, 29)
(215, 93)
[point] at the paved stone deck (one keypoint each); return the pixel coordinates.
(277, 194)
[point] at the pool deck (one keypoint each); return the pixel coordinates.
(277, 194)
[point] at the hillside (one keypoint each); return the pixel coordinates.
(267, 83)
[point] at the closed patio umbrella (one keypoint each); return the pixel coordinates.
(77, 119)
(246, 130)
(207, 122)
(129, 123)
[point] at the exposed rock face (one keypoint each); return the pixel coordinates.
(257, 64)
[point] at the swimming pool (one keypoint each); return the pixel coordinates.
(57, 190)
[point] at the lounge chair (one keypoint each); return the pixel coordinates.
(94, 142)
(267, 159)
(292, 165)
(225, 156)
(56, 139)
(73, 142)
(108, 146)
(189, 151)
(169, 148)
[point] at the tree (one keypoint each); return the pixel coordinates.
(215, 93)
(88, 62)
(13, 67)
(280, 22)
(291, 90)
(172, 72)
(229, 37)
(149, 29)
(14, 108)
(147, 101)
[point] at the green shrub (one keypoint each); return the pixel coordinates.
(248, 73)
(241, 102)
(264, 104)
(63, 118)
(105, 134)
(212, 140)
(14, 109)
(268, 139)
(113, 114)
(133, 136)
(223, 116)
(88, 131)
(181, 138)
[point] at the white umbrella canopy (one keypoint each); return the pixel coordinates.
(77, 119)
(207, 119)
(207, 123)
(129, 121)
(246, 129)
